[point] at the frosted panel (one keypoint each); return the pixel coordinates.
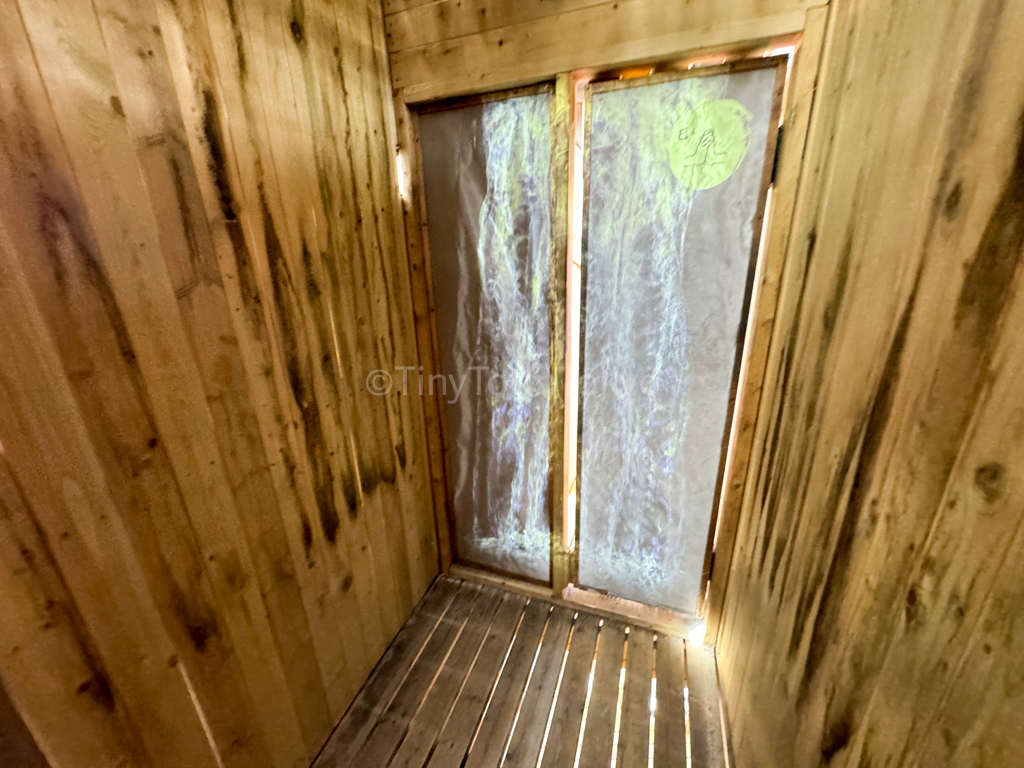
(675, 173)
(487, 175)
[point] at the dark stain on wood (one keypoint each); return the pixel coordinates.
(835, 739)
(913, 609)
(988, 478)
(99, 690)
(184, 211)
(988, 276)
(952, 204)
(199, 622)
(300, 376)
(307, 534)
(236, 29)
(232, 572)
(368, 421)
(827, 619)
(214, 135)
(769, 501)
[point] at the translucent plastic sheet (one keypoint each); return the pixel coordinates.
(487, 174)
(675, 173)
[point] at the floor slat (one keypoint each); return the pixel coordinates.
(393, 723)
(484, 678)
(670, 717)
(423, 731)
(599, 727)
(486, 752)
(524, 745)
(383, 682)
(565, 725)
(635, 727)
(706, 743)
(457, 734)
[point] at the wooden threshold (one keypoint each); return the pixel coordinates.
(656, 618)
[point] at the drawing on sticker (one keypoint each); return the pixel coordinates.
(709, 142)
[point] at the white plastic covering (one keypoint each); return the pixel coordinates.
(666, 270)
(487, 175)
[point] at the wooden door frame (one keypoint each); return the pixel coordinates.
(414, 208)
(805, 33)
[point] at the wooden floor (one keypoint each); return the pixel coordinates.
(483, 678)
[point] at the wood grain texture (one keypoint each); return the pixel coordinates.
(479, 676)
(16, 743)
(800, 97)
(199, 209)
(460, 730)
(670, 718)
(599, 728)
(866, 617)
(567, 716)
(446, 48)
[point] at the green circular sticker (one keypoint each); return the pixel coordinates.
(709, 142)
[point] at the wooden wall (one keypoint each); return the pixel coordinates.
(872, 603)
(448, 47)
(873, 609)
(209, 530)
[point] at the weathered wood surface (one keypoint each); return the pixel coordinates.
(870, 613)
(790, 156)
(483, 677)
(203, 258)
(16, 743)
(458, 46)
(670, 717)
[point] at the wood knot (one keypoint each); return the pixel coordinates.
(988, 478)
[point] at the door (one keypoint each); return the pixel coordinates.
(487, 179)
(676, 174)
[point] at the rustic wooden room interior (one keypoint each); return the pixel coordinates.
(511, 383)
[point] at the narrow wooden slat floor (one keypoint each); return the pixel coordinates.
(482, 678)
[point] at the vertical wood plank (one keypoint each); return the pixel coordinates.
(408, 418)
(799, 102)
(58, 254)
(47, 447)
(187, 248)
(413, 204)
(49, 668)
(320, 573)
